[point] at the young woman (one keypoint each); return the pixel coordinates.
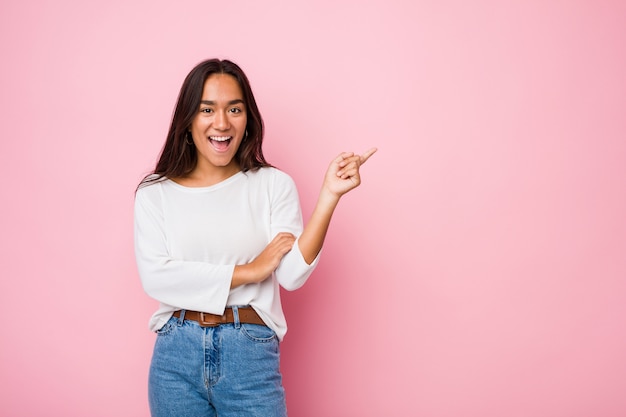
(217, 231)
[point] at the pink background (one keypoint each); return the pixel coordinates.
(479, 271)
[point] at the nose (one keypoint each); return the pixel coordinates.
(221, 121)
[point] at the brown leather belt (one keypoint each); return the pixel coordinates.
(246, 315)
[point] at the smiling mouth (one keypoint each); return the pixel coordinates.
(220, 143)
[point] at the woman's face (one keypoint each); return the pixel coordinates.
(220, 124)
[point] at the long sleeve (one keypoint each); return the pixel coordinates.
(286, 216)
(183, 284)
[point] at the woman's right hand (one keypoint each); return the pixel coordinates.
(263, 265)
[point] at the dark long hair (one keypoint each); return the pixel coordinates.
(178, 158)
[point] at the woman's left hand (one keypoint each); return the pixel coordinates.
(343, 173)
(342, 176)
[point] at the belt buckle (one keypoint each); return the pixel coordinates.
(208, 323)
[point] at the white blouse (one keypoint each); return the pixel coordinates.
(188, 241)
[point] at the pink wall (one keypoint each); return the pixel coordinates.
(479, 271)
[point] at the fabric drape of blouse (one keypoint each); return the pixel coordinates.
(188, 241)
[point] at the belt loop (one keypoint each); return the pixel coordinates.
(181, 318)
(236, 321)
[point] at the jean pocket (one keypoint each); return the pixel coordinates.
(168, 327)
(258, 333)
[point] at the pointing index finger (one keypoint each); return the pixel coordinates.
(366, 155)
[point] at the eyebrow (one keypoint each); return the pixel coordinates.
(230, 103)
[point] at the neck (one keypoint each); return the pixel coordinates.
(205, 176)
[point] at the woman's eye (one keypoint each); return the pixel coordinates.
(206, 110)
(235, 110)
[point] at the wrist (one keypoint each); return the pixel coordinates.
(243, 274)
(327, 198)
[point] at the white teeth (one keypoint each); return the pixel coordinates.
(220, 138)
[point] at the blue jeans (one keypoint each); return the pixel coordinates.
(229, 370)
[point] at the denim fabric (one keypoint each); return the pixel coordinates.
(229, 370)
